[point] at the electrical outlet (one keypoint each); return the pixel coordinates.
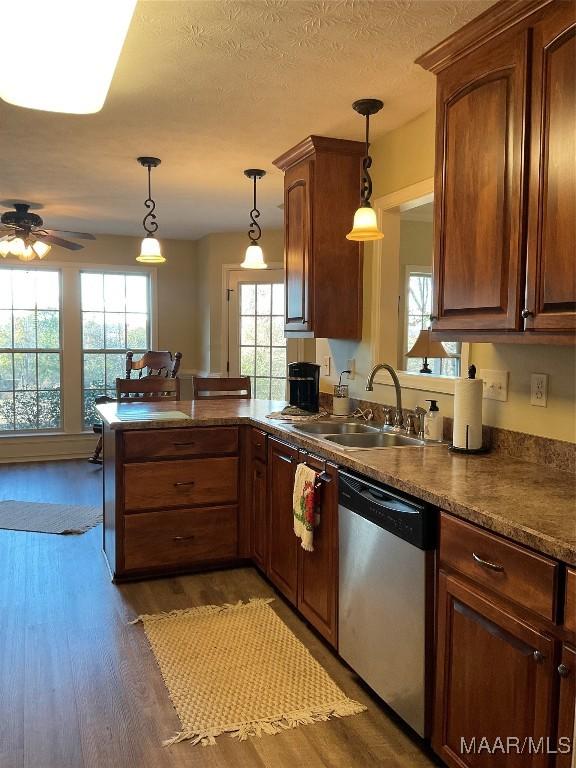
(326, 365)
(351, 366)
(495, 384)
(539, 389)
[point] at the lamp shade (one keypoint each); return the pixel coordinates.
(41, 249)
(425, 347)
(254, 258)
(4, 247)
(150, 252)
(365, 225)
(67, 55)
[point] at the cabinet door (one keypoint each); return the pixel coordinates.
(566, 722)
(551, 278)
(259, 507)
(297, 246)
(282, 543)
(318, 570)
(494, 680)
(480, 159)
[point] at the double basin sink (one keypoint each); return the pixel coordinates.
(354, 434)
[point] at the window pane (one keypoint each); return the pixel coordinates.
(47, 290)
(48, 370)
(262, 361)
(6, 411)
(115, 368)
(24, 370)
(6, 289)
(278, 361)
(278, 389)
(48, 410)
(48, 329)
(114, 293)
(263, 331)
(92, 292)
(247, 299)
(90, 414)
(264, 299)
(278, 331)
(6, 373)
(23, 289)
(26, 407)
(5, 328)
(136, 293)
(247, 357)
(115, 331)
(278, 299)
(136, 331)
(263, 388)
(94, 371)
(247, 330)
(25, 329)
(93, 330)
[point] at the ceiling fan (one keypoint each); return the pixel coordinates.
(22, 234)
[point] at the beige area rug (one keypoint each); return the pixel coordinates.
(41, 517)
(238, 669)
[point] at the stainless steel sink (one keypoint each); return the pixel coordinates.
(375, 440)
(335, 428)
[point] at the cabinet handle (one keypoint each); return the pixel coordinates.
(183, 538)
(526, 313)
(563, 670)
(183, 482)
(184, 445)
(538, 657)
(487, 563)
(287, 459)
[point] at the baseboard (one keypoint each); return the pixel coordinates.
(22, 448)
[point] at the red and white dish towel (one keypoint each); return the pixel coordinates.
(304, 506)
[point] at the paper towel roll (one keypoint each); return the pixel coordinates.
(467, 414)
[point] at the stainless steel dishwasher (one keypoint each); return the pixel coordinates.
(387, 543)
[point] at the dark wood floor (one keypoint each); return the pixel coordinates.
(79, 687)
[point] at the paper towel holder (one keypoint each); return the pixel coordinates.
(483, 448)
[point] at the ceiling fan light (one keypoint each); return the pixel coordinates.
(27, 254)
(150, 252)
(365, 226)
(254, 258)
(4, 247)
(17, 246)
(41, 249)
(86, 39)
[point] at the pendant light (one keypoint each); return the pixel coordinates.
(365, 222)
(150, 252)
(254, 258)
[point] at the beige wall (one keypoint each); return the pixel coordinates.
(212, 253)
(416, 248)
(404, 157)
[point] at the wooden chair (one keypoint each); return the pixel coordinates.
(221, 388)
(147, 389)
(161, 364)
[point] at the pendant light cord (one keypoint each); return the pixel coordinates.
(366, 190)
(149, 221)
(254, 232)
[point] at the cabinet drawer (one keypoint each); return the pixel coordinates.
(258, 445)
(570, 604)
(164, 484)
(514, 572)
(179, 537)
(173, 443)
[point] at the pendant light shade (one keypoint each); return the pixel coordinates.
(365, 226)
(254, 258)
(65, 53)
(150, 250)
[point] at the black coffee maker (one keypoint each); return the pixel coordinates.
(304, 382)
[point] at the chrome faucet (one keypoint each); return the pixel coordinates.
(398, 419)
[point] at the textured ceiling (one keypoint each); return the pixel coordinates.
(212, 87)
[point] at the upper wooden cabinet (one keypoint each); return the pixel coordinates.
(505, 199)
(323, 269)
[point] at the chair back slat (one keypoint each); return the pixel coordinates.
(148, 388)
(213, 388)
(157, 363)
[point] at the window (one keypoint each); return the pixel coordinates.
(30, 350)
(262, 342)
(418, 311)
(115, 317)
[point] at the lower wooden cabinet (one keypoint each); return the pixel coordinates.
(259, 510)
(282, 543)
(566, 723)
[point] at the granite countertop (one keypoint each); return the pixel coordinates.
(526, 502)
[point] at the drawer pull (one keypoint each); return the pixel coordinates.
(184, 445)
(487, 563)
(183, 482)
(287, 459)
(183, 538)
(563, 670)
(538, 657)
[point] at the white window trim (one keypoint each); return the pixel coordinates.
(408, 197)
(71, 345)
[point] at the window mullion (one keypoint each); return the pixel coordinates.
(71, 350)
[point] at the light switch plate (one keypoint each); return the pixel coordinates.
(495, 385)
(539, 389)
(351, 366)
(326, 365)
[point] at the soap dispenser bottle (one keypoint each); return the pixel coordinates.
(433, 426)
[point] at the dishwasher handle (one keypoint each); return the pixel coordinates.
(380, 497)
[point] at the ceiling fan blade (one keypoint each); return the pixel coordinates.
(79, 235)
(62, 243)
